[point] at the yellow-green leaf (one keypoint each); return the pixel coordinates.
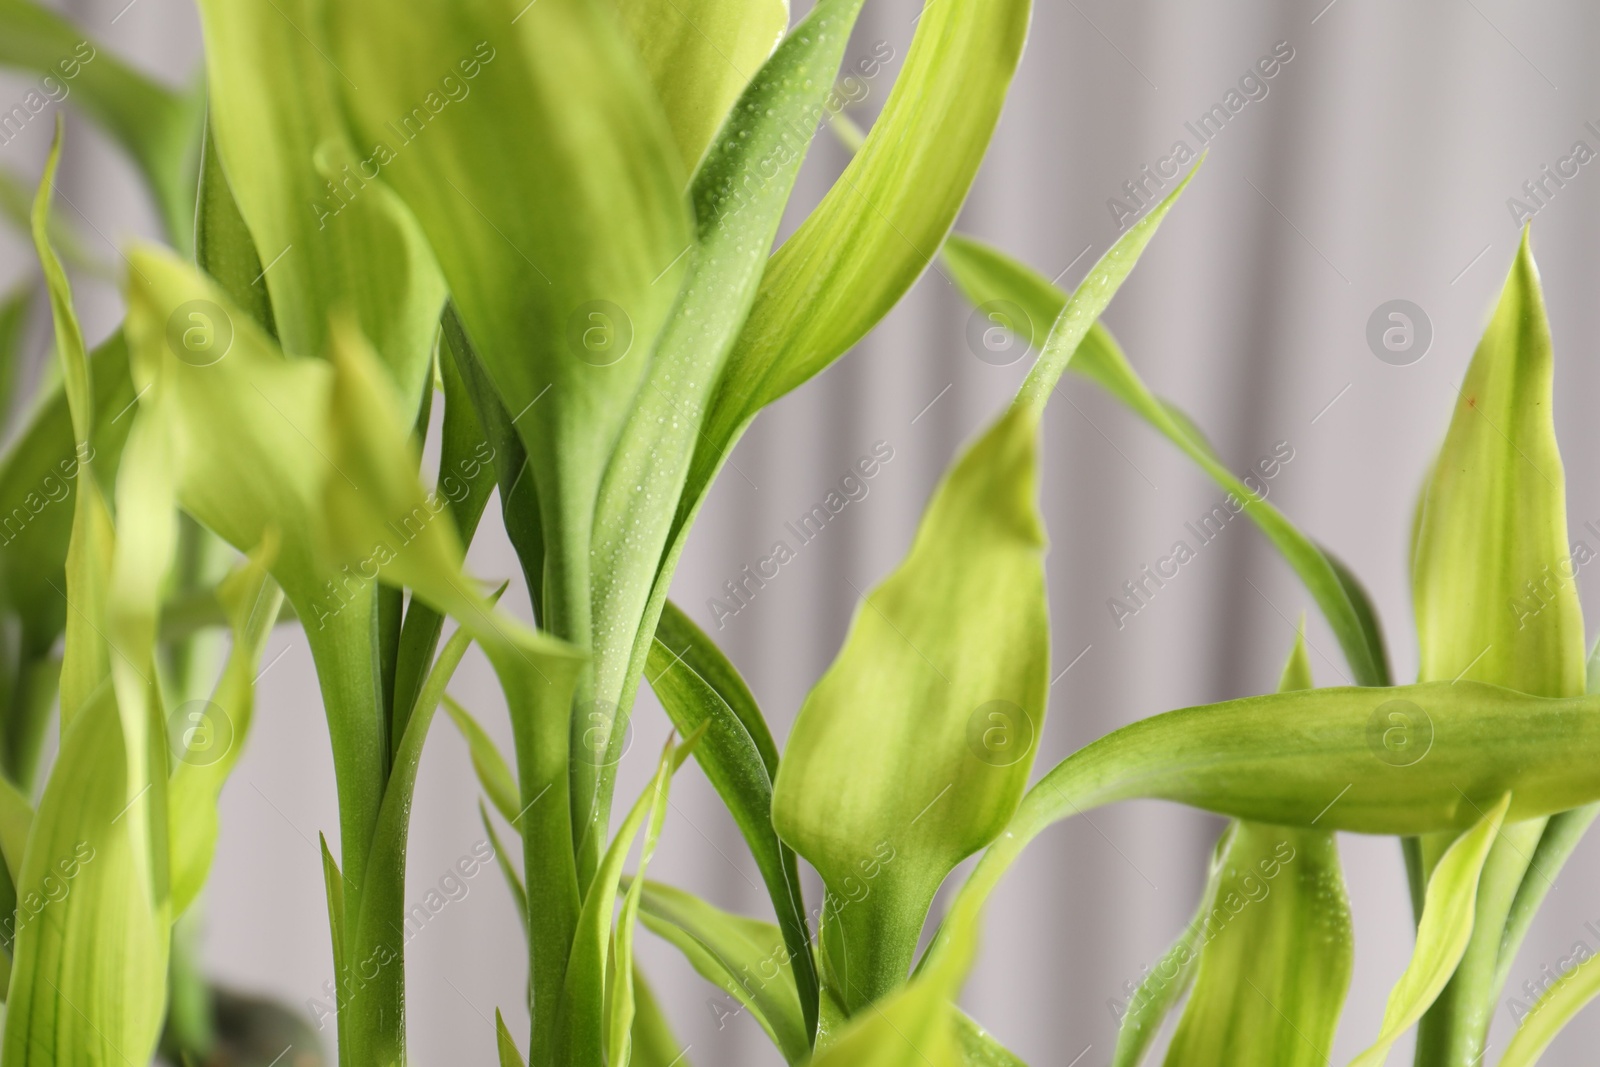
(1442, 935)
(697, 685)
(89, 973)
(329, 231)
(913, 749)
(528, 142)
(498, 783)
(586, 1033)
(213, 734)
(986, 274)
(157, 126)
(1495, 600)
(1277, 948)
(699, 55)
(746, 958)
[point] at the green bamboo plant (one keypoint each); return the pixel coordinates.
(556, 221)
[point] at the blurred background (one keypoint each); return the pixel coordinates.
(1376, 167)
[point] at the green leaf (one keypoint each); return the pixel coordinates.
(333, 885)
(16, 819)
(86, 660)
(697, 685)
(88, 982)
(654, 1044)
(519, 503)
(1257, 997)
(739, 195)
(1280, 903)
(1495, 600)
(519, 893)
(509, 1056)
(875, 231)
(699, 55)
(252, 600)
(16, 206)
(745, 958)
(70, 349)
(1442, 935)
(210, 372)
(1559, 1004)
(978, 1046)
(1081, 312)
(1494, 518)
(622, 1018)
(222, 243)
(13, 322)
(1560, 837)
(583, 1036)
(951, 657)
(329, 231)
(158, 127)
(550, 189)
(498, 783)
(986, 275)
(883, 221)
(690, 645)
(37, 478)
(1324, 758)
(1172, 975)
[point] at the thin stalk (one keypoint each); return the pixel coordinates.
(344, 648)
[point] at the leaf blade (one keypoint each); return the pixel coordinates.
(986, 274)
(952, 653)
(1442, 935)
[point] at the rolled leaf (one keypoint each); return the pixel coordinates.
(1495, 600)
(917, 1025)
(504, 1045)
(86, 660)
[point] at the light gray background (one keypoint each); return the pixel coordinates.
(1377, 168)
